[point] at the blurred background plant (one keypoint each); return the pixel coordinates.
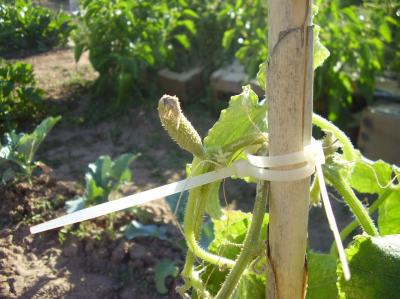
(103, 179)
(245, 35)
(125, 40)
(362, 37)
(21, 100)
(128, 40)
(359, 37)
(29, 27)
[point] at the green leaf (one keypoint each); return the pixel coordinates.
(162, 270)
(244, 116)
(262, 82)
(228, 37)
(231, 229)
(94, 194)
(375, 268)
(136, 229)
(321, 53)
(78, 50)
(389, 214)
(190, 13)
(384, 30)
(189, 24)
(183, 40)
(321, 276)
(175, 199)
(251, 287)
(213, 206)
(229, 232)
(370, 177)
(28, 144)
(120, 167)
(100, 170)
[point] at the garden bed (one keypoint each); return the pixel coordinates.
(52, 265)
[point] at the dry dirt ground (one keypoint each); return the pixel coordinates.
(41, 266)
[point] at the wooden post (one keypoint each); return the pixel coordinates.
(289, 92)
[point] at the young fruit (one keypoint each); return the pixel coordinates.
(178, 126)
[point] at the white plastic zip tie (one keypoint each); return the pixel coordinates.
(332, 221)
(312, 155)
(241, 168)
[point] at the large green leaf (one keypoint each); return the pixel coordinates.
(321, 276)
(375, 268)
(389, 214)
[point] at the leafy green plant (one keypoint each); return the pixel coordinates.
(17, 153)
(234, 266)
(125, 38)
(20, 99)
(25, 26)
(103, 179)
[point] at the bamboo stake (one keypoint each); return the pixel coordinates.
(290, 83)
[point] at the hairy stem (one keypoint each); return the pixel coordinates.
(354, 224)
(251, 239)
(192, 226)
(351, 199)
(324, 124)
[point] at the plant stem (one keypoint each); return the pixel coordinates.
(192, 225)
(354, 224)
(315, 192)
(351, 199)
(324, 124)
(252, 237)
